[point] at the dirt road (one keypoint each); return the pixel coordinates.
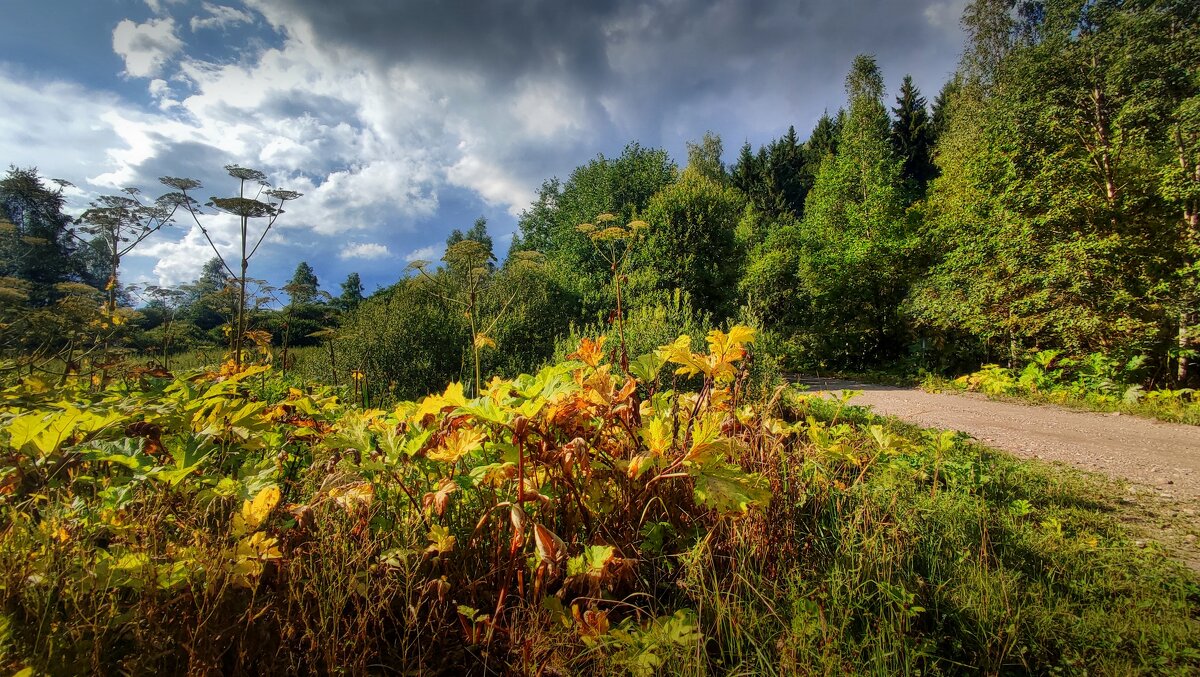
(1161, 456)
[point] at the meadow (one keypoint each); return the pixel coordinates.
(684, 517)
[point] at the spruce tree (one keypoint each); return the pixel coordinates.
(302, 288)
(911, 138)
(352, 292)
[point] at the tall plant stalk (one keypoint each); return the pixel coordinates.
(245, 208)
(615, 244)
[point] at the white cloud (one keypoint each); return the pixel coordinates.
(945, 14)
(364, 250)
(156, 6)
(61, 140)
(430, 253)
(147, 47)
(220, 16)
(180, 261)
(494, 183)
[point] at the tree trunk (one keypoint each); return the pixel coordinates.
(1183, 341)
(112, 282)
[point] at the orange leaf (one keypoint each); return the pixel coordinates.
(590, 352)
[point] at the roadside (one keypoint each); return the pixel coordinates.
(1160, 461)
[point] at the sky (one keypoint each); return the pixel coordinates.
(400, 121)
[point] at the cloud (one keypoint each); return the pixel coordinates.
(156, 6)
(532, 88)
(430, 253)
(945, 14)
(364, 250)
(146, 47)
(403, 118)
(180, 262)
(219, 16)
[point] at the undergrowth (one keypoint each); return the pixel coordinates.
(582, 520)
(1095, 383)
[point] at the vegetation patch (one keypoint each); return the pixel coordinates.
(1094, 382)
(579, 520)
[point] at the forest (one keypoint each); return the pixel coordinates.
(582, 455)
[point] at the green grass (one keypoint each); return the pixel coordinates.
(1003, 566)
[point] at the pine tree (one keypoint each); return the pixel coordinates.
(352, 292)
(747, 175)
(939, 122)
(911, 138)
(786, 175)
(824, 138)
(303, 287)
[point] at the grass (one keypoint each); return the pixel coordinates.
(885, 549)
(1172, 411)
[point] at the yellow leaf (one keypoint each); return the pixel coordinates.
(457, 444)
(726, 349)
(434, 404)
(657, 435)
(440, 540)
(255, 511)
(259, 546)
(638, 465)
(484, 341)
(354, 496)
(680, 352)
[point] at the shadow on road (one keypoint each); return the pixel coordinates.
(822, 383)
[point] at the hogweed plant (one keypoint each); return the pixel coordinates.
(121, 223)
(615, 244)
(541, 488)
(246, 206)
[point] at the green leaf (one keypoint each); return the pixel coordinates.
(485, 409)
(728, 489)
(590, 561)
(646, 367)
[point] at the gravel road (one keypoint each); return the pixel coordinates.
(1161, 456)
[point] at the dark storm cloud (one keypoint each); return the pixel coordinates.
(742, 67)
(504, 38)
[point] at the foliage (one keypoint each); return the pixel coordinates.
(35, 241)
(352, 293)
(690, 245)
(1094, 381)
(574, 520)
(835, 278)
(621, 186)
(1047, 226)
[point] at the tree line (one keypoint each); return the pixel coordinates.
(1047, 197)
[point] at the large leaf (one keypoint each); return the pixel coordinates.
(256, 510)
(728, 489)
(457, 444)
(646, 367)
